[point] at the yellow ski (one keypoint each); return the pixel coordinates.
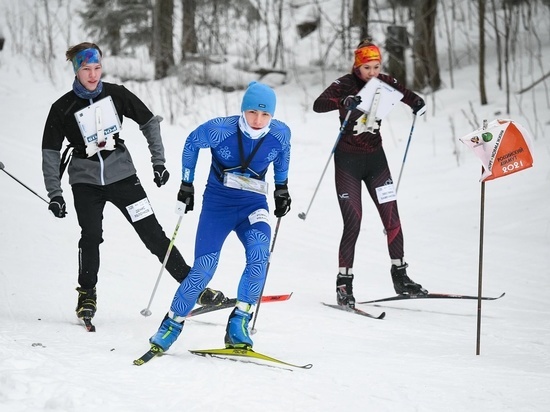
(245, 355)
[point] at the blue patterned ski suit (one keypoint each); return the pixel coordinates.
(226, 209)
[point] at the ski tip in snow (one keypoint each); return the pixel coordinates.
(150, 354)
(88, 325)
(356, 311)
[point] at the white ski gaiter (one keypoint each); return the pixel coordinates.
(249, 131)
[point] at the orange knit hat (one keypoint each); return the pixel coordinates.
(366, 54)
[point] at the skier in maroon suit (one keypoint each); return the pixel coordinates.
(359, 157)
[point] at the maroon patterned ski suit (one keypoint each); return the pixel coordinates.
(359, 157)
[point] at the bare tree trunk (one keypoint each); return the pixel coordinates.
(396, 43)
(426, 67)
(48, 54)
(163, 27)
(189, 42)
(482, 91)
(215, 40)
(115, 40)
(279, 43)
(361, 17)
(344, 18)
(499, 46)
(450, 34)
(507, 27)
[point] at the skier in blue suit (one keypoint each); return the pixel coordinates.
(242, 147)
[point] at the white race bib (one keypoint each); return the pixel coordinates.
(244, 183)
(139, 210)
(386, 193)
(260, 215)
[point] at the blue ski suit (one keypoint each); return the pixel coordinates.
(226, 209)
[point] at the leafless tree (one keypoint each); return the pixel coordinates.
(189, 43)
(426, 66)
(498, 44)
(163, 27)
(482, 91)
(278, 53)
(361, 17)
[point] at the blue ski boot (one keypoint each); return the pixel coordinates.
(236, 332)
(167, 334)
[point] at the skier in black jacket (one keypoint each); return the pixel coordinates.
(359, 157)
(101, 170)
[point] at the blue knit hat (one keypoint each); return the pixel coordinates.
(259, 96)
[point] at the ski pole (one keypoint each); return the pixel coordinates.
(21, 183)
(147, 311)
(253, 330)
(405, 156)
(303, 215)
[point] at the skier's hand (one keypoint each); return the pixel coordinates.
(419, 107)
(58, 207)
(161, 175)
(350, 102)
(186, 196)
(282, 200)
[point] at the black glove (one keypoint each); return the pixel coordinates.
(282, 200)
(58, 207)
(161, 175)
(186, 195)
(350, 102)
(419, 107)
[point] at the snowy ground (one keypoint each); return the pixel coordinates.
(422, 357)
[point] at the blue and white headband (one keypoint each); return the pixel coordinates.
(85, 56)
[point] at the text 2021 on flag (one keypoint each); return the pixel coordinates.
(504, 147)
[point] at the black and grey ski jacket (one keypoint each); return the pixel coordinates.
(105, 167)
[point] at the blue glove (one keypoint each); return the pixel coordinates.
(58, 207)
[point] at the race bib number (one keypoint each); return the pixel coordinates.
(386, 193)
(249, 184)
(258, 216)
(139, 210)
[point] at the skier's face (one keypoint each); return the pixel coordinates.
(257, 119)
(369, 70)
(89, 75)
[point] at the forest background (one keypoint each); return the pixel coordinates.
(421, 357)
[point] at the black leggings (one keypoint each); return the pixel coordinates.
(372, 168)
(89, 202)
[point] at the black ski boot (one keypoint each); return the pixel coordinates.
(344, 290)
(87, 303)
(403, 284)
(210, 297)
